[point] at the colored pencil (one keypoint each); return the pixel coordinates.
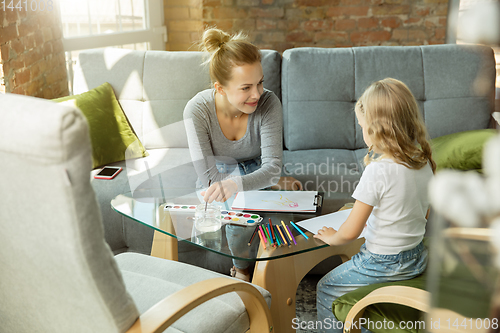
(253, 235)
(282, 236)
(269, 233)
(290, 232)
(277, 236)
(286, 231)
(272, 229)
(262, 239)
(263, 234)
(297, 228)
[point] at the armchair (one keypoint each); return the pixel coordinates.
(57, 272)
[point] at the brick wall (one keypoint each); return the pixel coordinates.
(32, 55)
(283, 24)
(183, 19)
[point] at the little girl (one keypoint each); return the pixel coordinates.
(391, 199)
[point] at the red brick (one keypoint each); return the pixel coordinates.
(8, 33)
(413, 21)
(338, 37)
(391, 10)
(10, 16)
(305, 13)
(247, 3)
(367, 23)
(423, 11)
(429, 23)
(416, 34)
(19, 91)
(440, 34)
(370, 36)
(400, 34)
(316, 3)
(5, 53)
(298, 37)
(32, 57)
(348, 11)
(267, 12)
(391, 22)
(343, 25)
(266, 24)
(211, 3)
(28, 42)
(225, 25)
(441, 10)
(274, 37)
(17, 46)
(21, 77)
(318, 25)
(38, 38)
(48, 93)
(267, 2)
(229, 13)
(292, 25)
(245, 25)
(435, 1)
(47, 49)
(443, 21)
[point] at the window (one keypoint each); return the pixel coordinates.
(131, 24)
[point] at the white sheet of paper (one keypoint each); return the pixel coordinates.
(333, 220)
(276, 201)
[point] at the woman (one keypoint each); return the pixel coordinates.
(235, 129)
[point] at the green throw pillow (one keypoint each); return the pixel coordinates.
(462, 150)
(379, 313)
(110, 131)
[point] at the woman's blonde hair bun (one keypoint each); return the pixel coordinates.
(213, 39)
(227, 51)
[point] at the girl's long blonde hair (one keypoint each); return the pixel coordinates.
(394, 124)
(227, 51)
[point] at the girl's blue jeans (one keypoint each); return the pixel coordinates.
(363, 269)
(234, 233)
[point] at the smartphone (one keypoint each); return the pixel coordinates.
(108, 172)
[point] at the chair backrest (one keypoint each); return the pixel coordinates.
(57, 274)
(153, 87)
(454, 86)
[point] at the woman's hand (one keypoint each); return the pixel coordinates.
(288, 184)
(326, 234)
(220, 191)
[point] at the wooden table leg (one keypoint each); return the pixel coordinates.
(281, 277)
(164, 246)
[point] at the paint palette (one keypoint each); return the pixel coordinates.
(227, 216)
(242, 218)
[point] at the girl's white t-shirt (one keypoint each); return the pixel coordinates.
(398, 195)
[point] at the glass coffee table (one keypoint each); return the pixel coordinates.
(278, 269)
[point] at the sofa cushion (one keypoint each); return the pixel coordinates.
(320, 87)
(462, 150)
(149, 280)
(111, 136)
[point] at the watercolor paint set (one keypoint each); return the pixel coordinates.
(227, 216)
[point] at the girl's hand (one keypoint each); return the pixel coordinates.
(325, 234)
(220, 191)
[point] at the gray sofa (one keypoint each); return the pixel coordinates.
(323, 144)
